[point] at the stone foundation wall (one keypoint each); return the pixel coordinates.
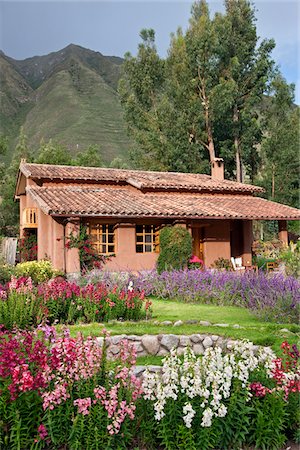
(161, 344)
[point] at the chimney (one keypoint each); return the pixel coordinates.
(217, 169)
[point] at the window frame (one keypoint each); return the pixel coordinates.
(143, 242)
(102, 237)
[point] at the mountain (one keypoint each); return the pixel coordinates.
(69, 96)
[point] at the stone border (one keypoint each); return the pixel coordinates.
(161, 344)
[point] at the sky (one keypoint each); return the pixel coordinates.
(112, 27)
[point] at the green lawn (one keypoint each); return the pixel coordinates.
(261, 333)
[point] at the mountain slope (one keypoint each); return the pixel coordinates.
(15, 98)
(71, 98)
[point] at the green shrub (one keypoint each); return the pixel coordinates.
(291, 258)
(6, 271)
(38, 271)
(175, 249)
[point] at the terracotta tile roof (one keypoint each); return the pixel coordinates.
(124, 202)
(142, 180)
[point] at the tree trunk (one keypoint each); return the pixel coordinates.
(237, 146)
(205, 102)
(273, 180)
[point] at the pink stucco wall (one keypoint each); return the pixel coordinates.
(216, 241)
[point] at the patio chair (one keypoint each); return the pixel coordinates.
(271, 266)
(237, 264)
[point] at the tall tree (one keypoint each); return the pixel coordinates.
(280, 146)
(140, 89)
(9, 209)
(90, 157)
(52, 153)
(249, 68)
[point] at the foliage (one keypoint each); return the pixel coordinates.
(204, 99)
(52, 153)
(291, 258)
(88, 256)
(213, 402)
(61, 392)
(58, 391)
(222, 263)
(6, 271)
(89, 158)
(280, 146)
(9, 209)
(175, 248)
(23, 305)
(38, 271)
(272, 297)
(27, 246)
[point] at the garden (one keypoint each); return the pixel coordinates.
(60, 389)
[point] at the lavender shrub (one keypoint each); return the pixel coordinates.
(271, 297)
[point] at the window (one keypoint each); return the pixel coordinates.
(102, 237)
(147, 238)
(30, 218)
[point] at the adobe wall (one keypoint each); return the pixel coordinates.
(126, 258)
(216, 241)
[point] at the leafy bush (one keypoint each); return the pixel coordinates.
(291, 258)
(23, 305)
(61, 392)
(271, 297)
(6, 271)
(175, 248)
(213, 402)
(57, 392)
(19, 306)
(222, 263)
(38, 271)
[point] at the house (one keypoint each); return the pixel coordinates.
(124, 210)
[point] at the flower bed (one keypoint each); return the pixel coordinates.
(24, 305)
(271, 297)
(58, 392)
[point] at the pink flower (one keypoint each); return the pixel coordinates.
(83, 405)
(42, 431)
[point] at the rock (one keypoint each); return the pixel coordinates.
(198, 349)
(191, 322)
(117, 339)
(180, 350)
(178, 323)
(133, 337)
(163, 352)
(208, 342)
(156, 322)
(195, 338)
(205, 323)
(215, 337)
(223, 325)
(139, 348)
(166, 322)
(285, 330)
(150, 344)
(139, 370)
(170, 341)
(114, 350)
(185, 341)
(154, 369)
(236, 325)
(100, 341)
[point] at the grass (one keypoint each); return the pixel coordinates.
(260, 333)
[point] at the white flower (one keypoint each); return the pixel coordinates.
(207, 417)
(189, 413)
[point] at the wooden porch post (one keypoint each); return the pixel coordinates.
(247, 242)
(72, 261)
(283, 232)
